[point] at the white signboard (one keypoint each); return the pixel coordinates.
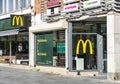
(69, 1)
(80, 64)
(70, 7)
(91, 4)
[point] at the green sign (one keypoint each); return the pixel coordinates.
(61, 47)
(5, 24)
(17, 21)
(44, 49)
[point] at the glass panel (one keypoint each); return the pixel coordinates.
(5, 24)
(23, 3)
(1, 7)
(28, 2)
(16, 3)
(56, 51)
(83, 31)
(5, 6)
(83, 27)
(85, 47)
(5, 44)
(10, 5)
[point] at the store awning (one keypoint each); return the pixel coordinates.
(9, 32)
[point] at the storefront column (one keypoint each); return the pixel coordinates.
(66, 49)
(31, 49)
(113, 45)
(70, 57)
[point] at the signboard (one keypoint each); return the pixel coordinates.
(84, 44)
(69, 1)
(61, 47)
(5, 24)
(17, 21)
(52, 3)
(44, 49)
(91, 4)
(70, 7)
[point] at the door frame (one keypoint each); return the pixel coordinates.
(99, 50)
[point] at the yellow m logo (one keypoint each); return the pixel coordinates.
(17, 21)
(84, 44)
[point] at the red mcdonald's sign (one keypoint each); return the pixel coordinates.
(52, 2)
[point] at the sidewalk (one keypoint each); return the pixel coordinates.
(25, 67)
(100, 78)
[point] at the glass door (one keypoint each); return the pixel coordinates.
(87, 49)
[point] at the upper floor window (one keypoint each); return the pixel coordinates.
(5, 6)
(1, 8)
(23, 3)
(16, 4)
(10, 5)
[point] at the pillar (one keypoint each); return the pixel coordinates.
(31, 49)
(113, 45)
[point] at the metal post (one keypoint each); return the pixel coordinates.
(70, 63)
(10, 50)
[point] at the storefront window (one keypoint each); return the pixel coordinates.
(15, 42)
(89, 45)
(59, 48)
(50, 48)
(84, 27)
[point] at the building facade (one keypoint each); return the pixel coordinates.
(15, 19)
(78, 35)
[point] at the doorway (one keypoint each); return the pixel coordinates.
(87, 42)
(89, 47)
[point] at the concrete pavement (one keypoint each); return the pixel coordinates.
(6, 69)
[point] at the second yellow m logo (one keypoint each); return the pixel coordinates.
(84, 44)
(17, 21)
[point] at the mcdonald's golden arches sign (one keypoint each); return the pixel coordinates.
(84, 46)
(17, 21)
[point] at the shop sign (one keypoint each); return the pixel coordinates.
(69, 1)
(61, 47)
(17, 20)
(70, 7)
(52, 3)
(91, 4)
(84, 44)
(5, 24)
